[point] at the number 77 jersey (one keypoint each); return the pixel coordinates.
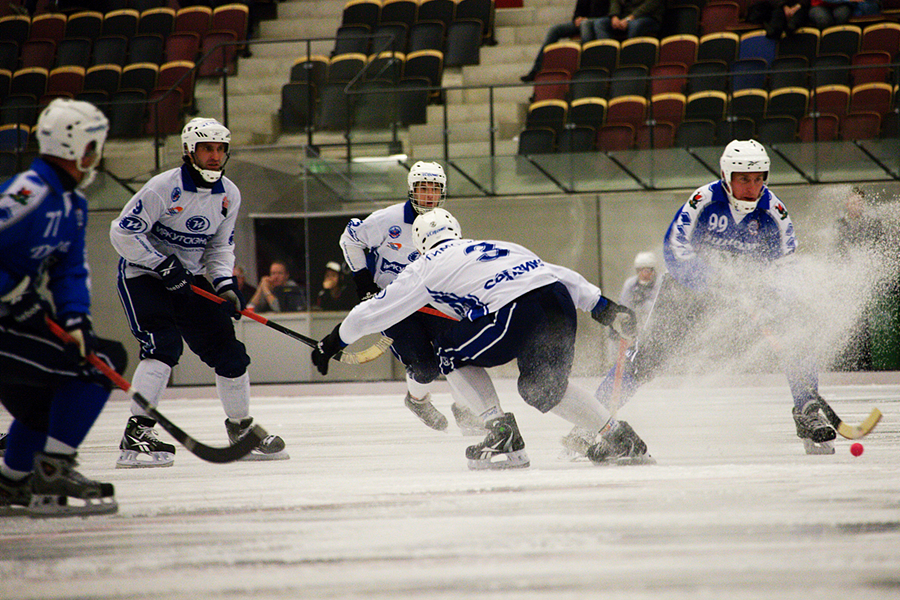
(707, 226)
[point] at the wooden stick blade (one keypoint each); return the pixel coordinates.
(855, 432)
(367, 355)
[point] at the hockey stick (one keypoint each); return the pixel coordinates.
(850, 432)
(348, 358)
(615, 397)
(208, 453)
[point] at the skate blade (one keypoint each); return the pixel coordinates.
(627, 461)
(506, 460)
(130, 459)
(49, 506)
(254, 455)
(814, 448)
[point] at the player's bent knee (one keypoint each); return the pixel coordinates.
(543, 395)
(233, 365)
(424, 372)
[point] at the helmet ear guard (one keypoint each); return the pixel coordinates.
(433, 227)
(743, 156)
(200, 130)
(426, 172)
(66, 129)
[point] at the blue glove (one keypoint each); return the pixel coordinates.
(619, 318)
(330, 345)
(174, 276)
(234, 300)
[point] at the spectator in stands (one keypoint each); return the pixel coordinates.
(334, 294)
(247, 290)
(277, 292)
(630, 18)
(581, 25)
(787, 17)
(826, 14)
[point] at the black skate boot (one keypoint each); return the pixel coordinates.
(426, 412)
(58, 490)
(620, 446)
(576, 443)
(812, 428)
(270, 448)
(503, 448)
(468, 422)
(15, 496)
(140, 447)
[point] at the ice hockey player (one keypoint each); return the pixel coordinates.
(176, 229)
(53, 395)
(511, 305)
(720, 247)
(377, 249)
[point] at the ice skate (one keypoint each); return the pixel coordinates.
(426, 412)
(270, 448)
(468, 422)
(503, 448)
(620, 446)
(15, 496)
(140, 446)
(812, 428)
(576, 443)
(58, 490)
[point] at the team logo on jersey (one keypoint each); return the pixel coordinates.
(21, 197)
(174, 210)
(225, 206)
(395, 245)
(753, 227)
(176, 194)
(395, 231)
(197, 223)
(413, 256)
(782, 211)
(391, 267)
(695, 200)
(132, 224)
(5, 214)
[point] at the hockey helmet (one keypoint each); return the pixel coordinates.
(423, 172)
(645, 260)
(743, 156)
(205, 130)
(65, 129)
(433, 227)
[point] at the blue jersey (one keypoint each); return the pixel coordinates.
(706, 228)
(42, 229)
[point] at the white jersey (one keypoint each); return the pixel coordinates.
(382, 242)
(171, 215)
(467, 279)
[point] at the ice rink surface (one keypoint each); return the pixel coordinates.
(372, 504)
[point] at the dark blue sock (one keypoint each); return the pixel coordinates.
(21, 445)
(74, 409)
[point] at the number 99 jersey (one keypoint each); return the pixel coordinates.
(706, 226)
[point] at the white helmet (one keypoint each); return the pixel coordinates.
(645, 260)
(67, 127)
(425, 172)
(433, 227)
(205, 130)
(743, 156)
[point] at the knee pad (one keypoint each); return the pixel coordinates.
(233, 361)
(424, 371)
(543, 393)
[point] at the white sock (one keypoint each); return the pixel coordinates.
(474, 385)
(150, 379)
(417, 390)
(235, 396)
(578, 406)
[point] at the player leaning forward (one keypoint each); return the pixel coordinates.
(726, 252)
(511, 305)
(177, 228)
(52, 394)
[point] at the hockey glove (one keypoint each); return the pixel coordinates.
(619, 318)
(330, 345)
(29, 311)
(174, 276)
(365, 284)
(79, 326)
(234, 299)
